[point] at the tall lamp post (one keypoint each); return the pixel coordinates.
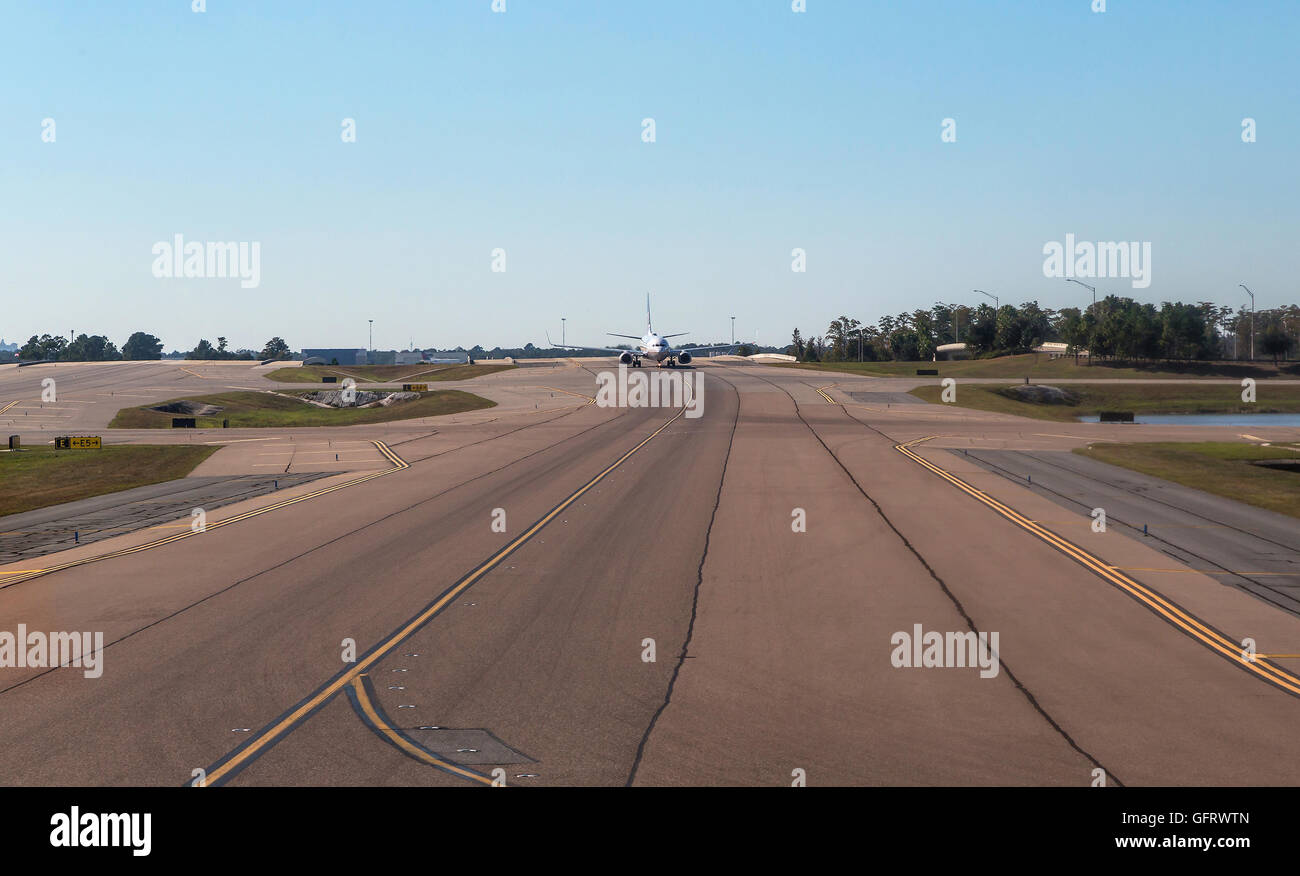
(1252, 320)
(1086, 286)
(372, 336)
(563, 322)
(996, 307)
(733, 331)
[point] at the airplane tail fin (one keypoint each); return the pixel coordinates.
(648, 325)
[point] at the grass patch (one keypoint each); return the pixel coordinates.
(42, 476)
(263, 409)
(1149, 398)
(384, 373)
(1221, 468)
(1040, 367)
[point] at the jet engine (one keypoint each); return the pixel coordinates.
(625, 359)
(684, 358)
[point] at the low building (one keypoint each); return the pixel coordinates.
(343, 355)
(1056, 350)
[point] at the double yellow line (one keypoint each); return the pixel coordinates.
(277, 730)
(820, 391)
(28, 574)
(383, 728)
(10, 405)
(1188, 623)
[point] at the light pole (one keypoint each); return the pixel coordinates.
(563, 321)
(1086, 286)
(1252, 320)
(733, 331)
(997, 305)
(956, 324)
(372, 336)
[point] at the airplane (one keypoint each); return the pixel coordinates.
(652, 346)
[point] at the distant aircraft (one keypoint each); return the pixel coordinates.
(651, 346)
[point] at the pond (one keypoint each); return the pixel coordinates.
(1239, 420)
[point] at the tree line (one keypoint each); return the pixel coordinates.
(529, 351)
(139, 346)
(1113, 328)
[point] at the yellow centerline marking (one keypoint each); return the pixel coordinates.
(398, 465)
(10, 405)
(1188, 623)
(401, 741)
(1204, 571)
(256, 744)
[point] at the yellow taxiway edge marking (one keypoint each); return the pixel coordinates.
(245, 440)
(590, 400)
(381, 651)
(401, 742)
(398, 465)
(1184, 620)
(10, 405)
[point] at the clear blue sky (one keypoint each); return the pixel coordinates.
(522, 130)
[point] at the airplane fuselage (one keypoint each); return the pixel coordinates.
(654, 348)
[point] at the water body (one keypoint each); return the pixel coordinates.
(1238, 420)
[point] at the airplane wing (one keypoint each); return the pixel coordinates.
(597, 349)
(697, 349)
(617, 335)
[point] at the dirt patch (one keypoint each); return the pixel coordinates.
(189, 408)
(1291, 465)
(360, 398)
(1040, 394)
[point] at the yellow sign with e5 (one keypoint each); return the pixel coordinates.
(78, 442)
